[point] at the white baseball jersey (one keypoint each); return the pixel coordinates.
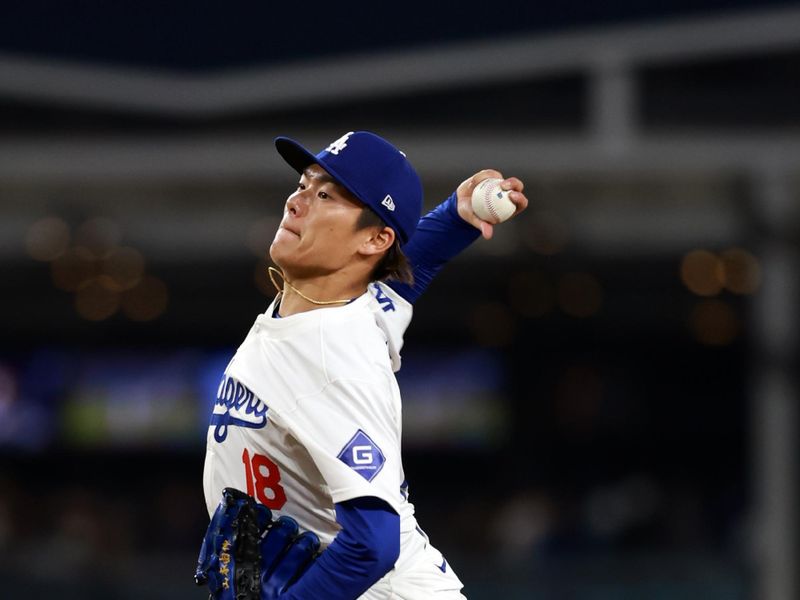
(308, 414)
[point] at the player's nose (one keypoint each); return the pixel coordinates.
(297, 204)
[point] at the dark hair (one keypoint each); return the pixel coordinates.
(393, 264)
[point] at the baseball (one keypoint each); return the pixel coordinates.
(491, 203)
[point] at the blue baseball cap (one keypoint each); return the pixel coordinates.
(371, 169)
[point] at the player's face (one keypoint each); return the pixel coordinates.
(317, 235)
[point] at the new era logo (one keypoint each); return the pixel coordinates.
(363, 456)
(388, 202)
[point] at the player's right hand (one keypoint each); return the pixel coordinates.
(464, 194)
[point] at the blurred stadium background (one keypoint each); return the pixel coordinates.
(601, 403)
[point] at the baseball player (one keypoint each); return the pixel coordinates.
(307, 419)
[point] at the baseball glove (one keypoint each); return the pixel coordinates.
(246, 555)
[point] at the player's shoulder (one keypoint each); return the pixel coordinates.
(392, 314)
(387, 300)
(365, 315)
(352, 331)
(360, 342)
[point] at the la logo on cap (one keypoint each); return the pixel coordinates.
(388, 202)
(339, 144)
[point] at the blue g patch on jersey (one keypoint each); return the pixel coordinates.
(363, 456)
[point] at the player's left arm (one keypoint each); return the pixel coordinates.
(364, 550)
(246, 555)
(448, 229)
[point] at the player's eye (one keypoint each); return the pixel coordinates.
(323, 195)
(300, 186)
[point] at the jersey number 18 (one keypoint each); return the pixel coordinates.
(263, 480)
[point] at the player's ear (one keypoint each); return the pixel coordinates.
(380, 240)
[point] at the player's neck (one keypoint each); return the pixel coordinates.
(305, 294)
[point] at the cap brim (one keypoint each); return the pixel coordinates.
(293, 153)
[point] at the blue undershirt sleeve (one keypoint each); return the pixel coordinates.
(364, 550)
(440, 235)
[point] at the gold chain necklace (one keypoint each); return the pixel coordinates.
(273, 271)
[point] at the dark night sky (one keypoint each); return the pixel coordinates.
(203, 35)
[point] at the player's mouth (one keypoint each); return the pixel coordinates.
(290, 230)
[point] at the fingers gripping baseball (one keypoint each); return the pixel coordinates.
(466, 206)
